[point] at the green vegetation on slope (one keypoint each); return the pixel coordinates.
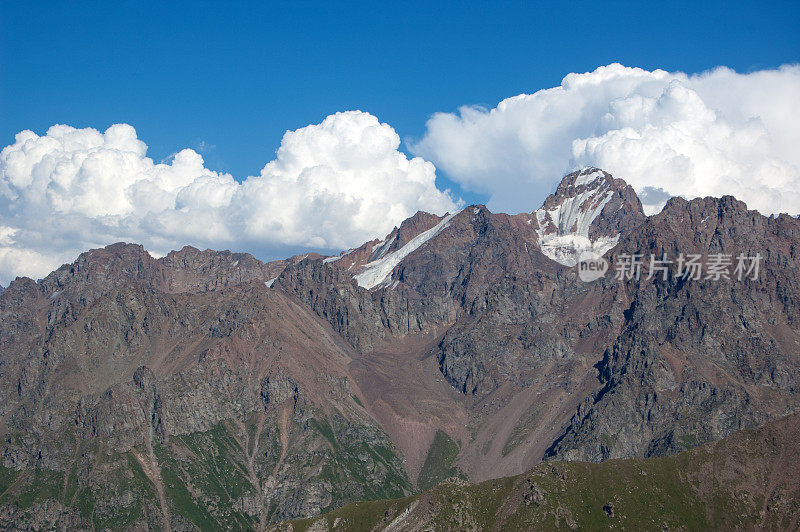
(440, 461)
(115, 501)
(214, 466)
(353, 462)
(746, 481)
(43, 484)
(355, 516)
(212, 480)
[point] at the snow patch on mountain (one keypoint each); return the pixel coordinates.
(564, 229)
(379, 270)
(587, 178)
(565, 249)
(382, 248)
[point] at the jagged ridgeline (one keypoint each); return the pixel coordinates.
(211, 390)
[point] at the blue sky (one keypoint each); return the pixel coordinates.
(228, 79)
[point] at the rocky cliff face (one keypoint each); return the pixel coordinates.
(550, 366)
(697, 358)
(211, 389)
(176, 393)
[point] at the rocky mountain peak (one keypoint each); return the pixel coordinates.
(372, 263)
(103, 267)
(411, 227)
(589, 211)
(193, 270)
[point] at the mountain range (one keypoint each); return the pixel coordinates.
(212, 390)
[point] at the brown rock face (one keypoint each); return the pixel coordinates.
(191, 373)
(697, 359)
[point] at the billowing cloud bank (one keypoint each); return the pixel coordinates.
(339, 183)
(665, 133)
(332, 185)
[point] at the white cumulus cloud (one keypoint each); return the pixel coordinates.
(332, 185)
(667, 134)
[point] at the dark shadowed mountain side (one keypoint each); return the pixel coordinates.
(696, 360)
(211, 390)
(747, 481)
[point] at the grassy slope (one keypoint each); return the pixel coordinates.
(748, 480)
(440, 461)
(204, 476)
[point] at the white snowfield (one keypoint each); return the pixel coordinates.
(589, 177)
(566, 245)
(379, 270)
(566, 249)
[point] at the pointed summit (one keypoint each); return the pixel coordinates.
(588, 212)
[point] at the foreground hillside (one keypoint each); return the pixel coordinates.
(744, 482)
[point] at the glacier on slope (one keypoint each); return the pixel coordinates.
(379, 270)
